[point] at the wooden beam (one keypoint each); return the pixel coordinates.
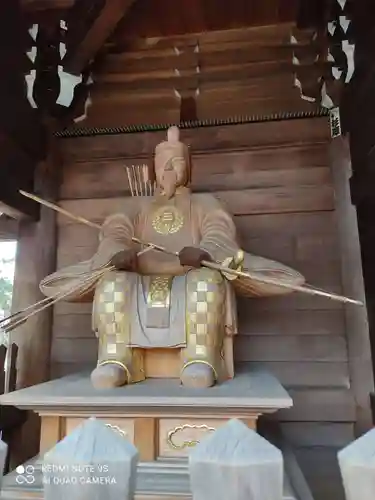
(22, 125)
(362, 186)
(152, 79)
(36, 258)
(359, 348)
(18, 213)
(312, 14)
(266, 35)
(142, 61)
(37, 5)
(188, 108)
(16, 172)
(13, 204)
(17, 119)
(8, 228)
(102, 27)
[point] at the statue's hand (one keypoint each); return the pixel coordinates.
(192, 257)
(126, 260)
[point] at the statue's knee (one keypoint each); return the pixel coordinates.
(205, 286)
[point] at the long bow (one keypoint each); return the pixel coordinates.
(211, 265)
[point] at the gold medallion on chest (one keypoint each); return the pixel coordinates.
(167, 220)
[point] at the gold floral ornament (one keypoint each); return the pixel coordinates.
(167, 220)
(117, 429)
(159, 292)
(189, 443)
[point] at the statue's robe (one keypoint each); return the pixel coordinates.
(164, 304)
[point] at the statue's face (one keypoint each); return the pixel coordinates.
(170, 170)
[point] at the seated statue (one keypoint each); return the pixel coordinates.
(159, 300)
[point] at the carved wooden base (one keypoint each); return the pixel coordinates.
(162, 418)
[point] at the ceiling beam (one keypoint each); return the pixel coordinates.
(35, 5)
(16, 172)
(98, 32)
(8, 228)
(14, 205)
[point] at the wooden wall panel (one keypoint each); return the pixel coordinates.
(240, 202)
(312, 434)
(262, 135)
(322, 348)
(320, 468)
(252, 322)
(276, 179)
(291, 166)
(166, 18)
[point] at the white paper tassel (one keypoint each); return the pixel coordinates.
(88, 103)
(31, 54)
(326, 101)
(344, 23)
(336, 72)
(331, 27)
(298, 84)
(62, 49)
(330, 57)
(68, 83)
(34, 31)
(30, 80)
(349, 52)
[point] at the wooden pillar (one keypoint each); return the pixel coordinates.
(357, 328)
(36, 257)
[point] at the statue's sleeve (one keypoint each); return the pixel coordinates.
(115, 235)
(219, 239)
(217, 229)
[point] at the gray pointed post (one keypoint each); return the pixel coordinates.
(94, 462)
(236, 463)
(357, 466)
(3, 457)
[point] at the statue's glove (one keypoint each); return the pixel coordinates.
(192, 256)
(125, 260)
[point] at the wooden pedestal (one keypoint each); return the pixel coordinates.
(162, 418)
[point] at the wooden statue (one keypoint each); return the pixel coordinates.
(158, 300)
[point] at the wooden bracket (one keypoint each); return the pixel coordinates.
(77, 59)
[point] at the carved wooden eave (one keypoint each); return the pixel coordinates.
(315, 61)
(347, 33)
(36, 88)
(22, 137)
(330, 26)
(79, 56)
(66, 39)
(183, 79)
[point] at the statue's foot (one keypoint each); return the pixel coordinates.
(198, 376)
(108, 376)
